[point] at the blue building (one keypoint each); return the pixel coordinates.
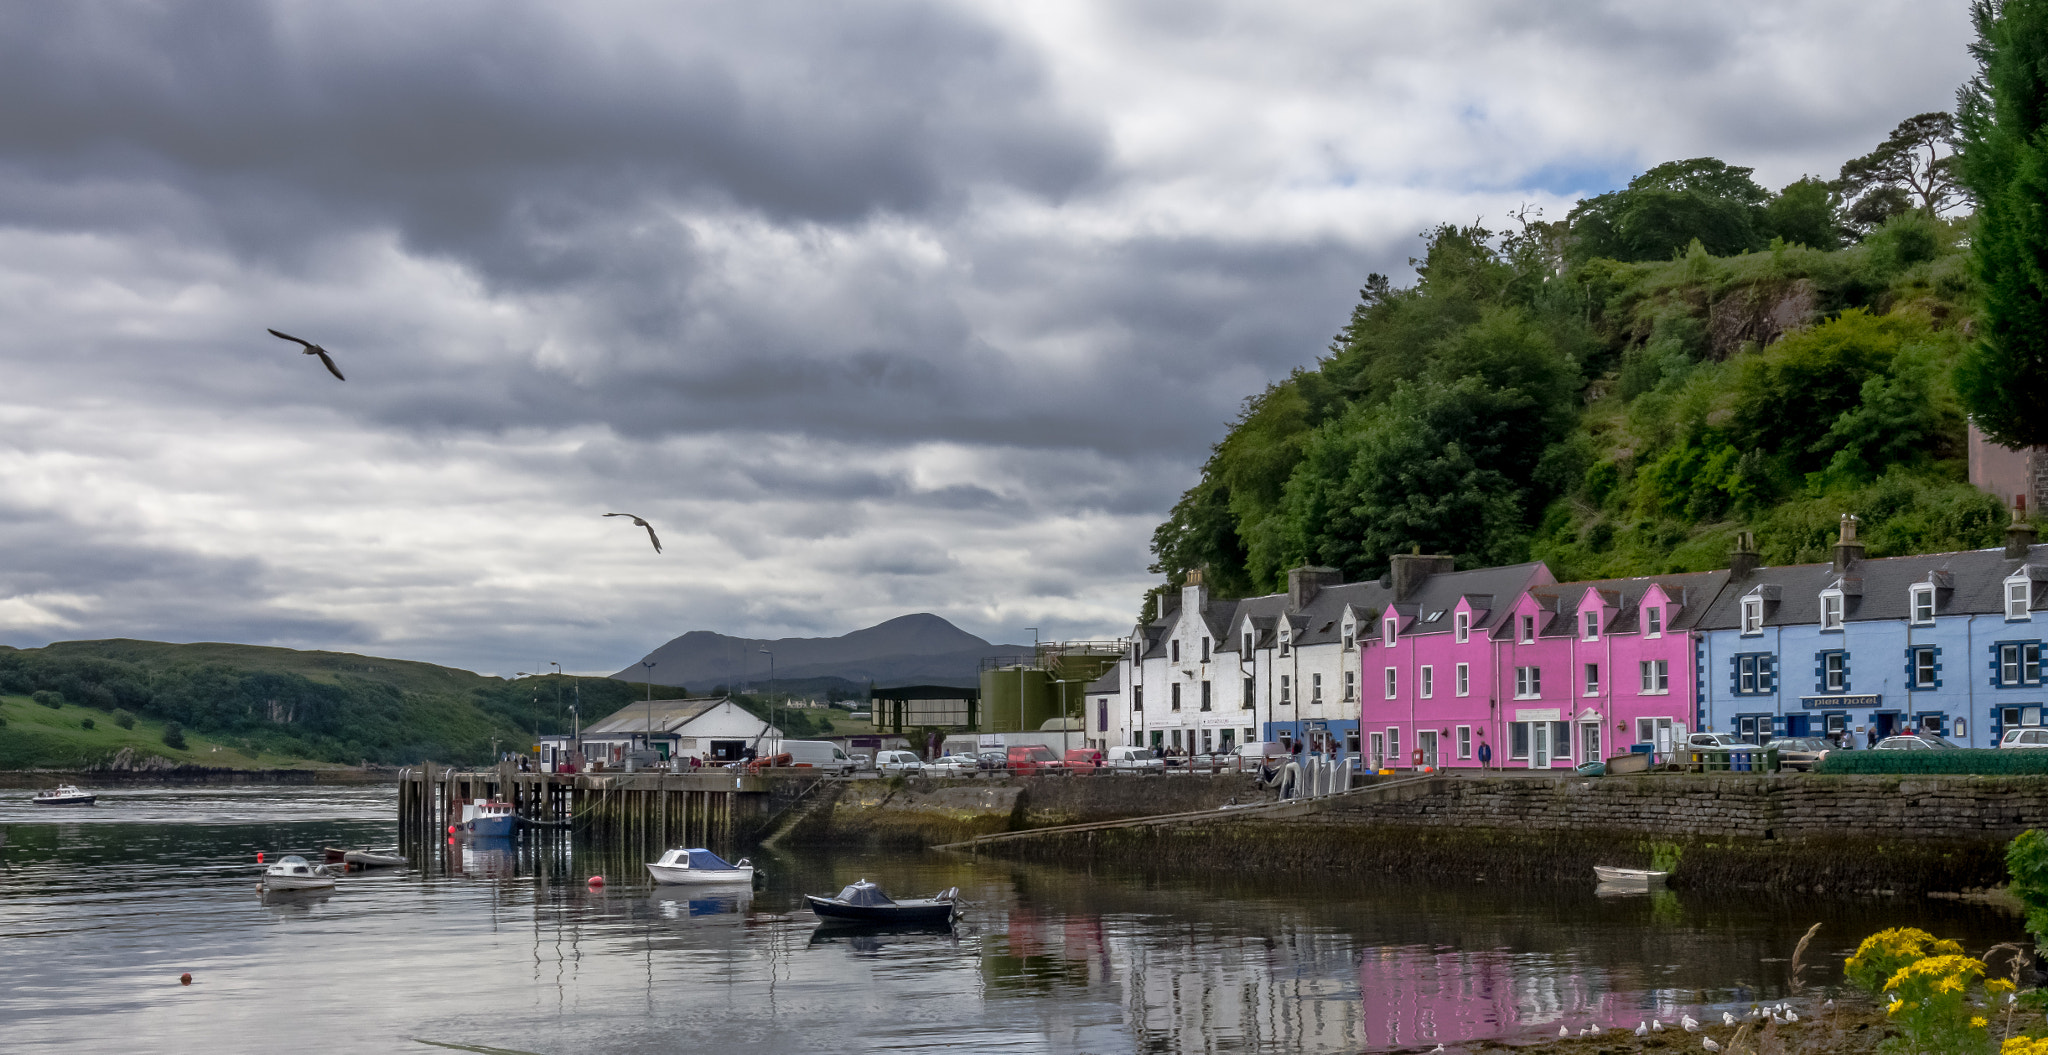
(1947, 643)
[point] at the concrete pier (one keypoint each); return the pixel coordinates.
(709, 806)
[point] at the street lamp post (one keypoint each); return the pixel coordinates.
(650, 703)
(773, 712)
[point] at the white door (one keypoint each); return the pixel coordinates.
(1427, 739)
(1378, 743)
(1539, 745)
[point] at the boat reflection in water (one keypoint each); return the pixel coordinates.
(730, 904)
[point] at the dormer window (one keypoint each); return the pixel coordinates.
(1592, 625)
(1528, 635)
(1205, 649)
(1653, 622)
(1831, 610)
(1389, 630)
(1463, 626)
(1174, 649)
(1752, 615)
(1247, 645)
(2018, 594)
(1923, 603)
(1350, 636)
(1286, 640)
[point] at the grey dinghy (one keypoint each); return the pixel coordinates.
(864, 902)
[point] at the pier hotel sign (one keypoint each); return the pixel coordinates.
(1862, 702)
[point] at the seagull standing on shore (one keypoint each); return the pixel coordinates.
(314, 349)
(1708, 1043)
(1727, 1018)
(651, 536)
(1690, 1024)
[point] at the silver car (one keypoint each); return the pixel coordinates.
(1915, 742)
(2024, 738)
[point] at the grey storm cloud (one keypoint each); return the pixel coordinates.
(900, 306)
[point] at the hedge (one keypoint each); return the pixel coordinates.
(1977, 761)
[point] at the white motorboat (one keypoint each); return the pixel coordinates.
(64, 795)
(292, 872)
(698, 865)
(1630, 878)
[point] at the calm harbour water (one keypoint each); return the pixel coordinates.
(102, 909)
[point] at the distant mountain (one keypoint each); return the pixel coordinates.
(908, 650)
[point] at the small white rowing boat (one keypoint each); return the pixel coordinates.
(698, 865)
(292, 872)
(64, 795)
(1630, 878)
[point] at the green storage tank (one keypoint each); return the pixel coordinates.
(1039, 699)
(1002, 700)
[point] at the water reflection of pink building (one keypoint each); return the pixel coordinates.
(1414, 996)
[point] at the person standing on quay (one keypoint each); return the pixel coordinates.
(1485, 755)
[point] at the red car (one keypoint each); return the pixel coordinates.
(1034, 759)
(1084, 760)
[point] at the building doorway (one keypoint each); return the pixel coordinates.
(1426, 739)
(1378, 744)
(1589, 742)
(1539, 745)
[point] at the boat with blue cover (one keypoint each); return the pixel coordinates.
(865, 902)
(698, 865)
(490, 820)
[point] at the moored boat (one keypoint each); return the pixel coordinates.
(292, 872)
(1629, 878)
(363, 858)
(64, 795)
(490, 820)
(697, 865)
(865, 902)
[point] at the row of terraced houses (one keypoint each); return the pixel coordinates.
(1437, 666)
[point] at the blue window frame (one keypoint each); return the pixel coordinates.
(1753, 674)
(1923, 668)
(2015, 664)
(1831, 671)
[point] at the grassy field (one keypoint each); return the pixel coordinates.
(36, 736)
(324, 667)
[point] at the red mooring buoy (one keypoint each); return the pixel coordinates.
(185, 979)
(259, 857)
(596, 882)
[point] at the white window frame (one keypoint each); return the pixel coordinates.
(1592, 679)
(1752, 616)
(1656, 675)
(2018, 600)
(1464, 679)
(1350, 637)
(1428, 685)
(1654, 621)
(1590, 625)
(1393, 682)
(1393, 745)
(1925, 661)
(1833, 609)
(1350, 686)
(2009, 660)
(1527, 636)
(1287, 690)
(1528, 682)
(1834, 671)
(1464, 741)
(1390, 629)
(1462, 627)
(1286, 640)
(1922, 601)
(1315, 687)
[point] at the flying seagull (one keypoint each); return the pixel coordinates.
(314, 349)
(651, 536)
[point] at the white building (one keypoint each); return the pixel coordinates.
(711, 729)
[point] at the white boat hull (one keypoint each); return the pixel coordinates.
(702, 876)
(298, 882)
(1632, 878)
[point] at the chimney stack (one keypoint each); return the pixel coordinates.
(1744, 560)
(1305, 582)
(2019, 535)
(1192, 593)
(1847, 549)
(1410, 570)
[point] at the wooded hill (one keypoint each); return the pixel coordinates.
(1620, 392)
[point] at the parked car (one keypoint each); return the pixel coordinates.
(1034, 758)
(860, 761)
(1134, 761)
(952, 766)
(2024, 738)
(993, 761)
(899, 762)
(1083, 759)
(1257, 755)
(1801, 753)
(1712, 740)
(1915, 742)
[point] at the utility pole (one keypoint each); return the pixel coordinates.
(774, 714)
(650, 703)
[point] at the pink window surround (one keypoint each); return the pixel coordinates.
(1561, 651)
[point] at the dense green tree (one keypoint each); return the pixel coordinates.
(2003, 163)
(1665, 209)
(1807, 212)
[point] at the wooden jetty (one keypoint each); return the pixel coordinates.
(706, 806)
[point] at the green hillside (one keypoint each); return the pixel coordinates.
(1531, 397)
(44, 738)
(272, 703)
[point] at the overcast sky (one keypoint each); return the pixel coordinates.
(871, 308)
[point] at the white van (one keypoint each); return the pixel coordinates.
(818, 754)
(1257, 755)
(1133, 760)
(899, 762)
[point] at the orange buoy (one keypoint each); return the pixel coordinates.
(596, 882)
(185, 979)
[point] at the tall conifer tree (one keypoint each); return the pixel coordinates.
(2003, 162)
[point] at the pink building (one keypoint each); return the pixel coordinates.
(1541, 675)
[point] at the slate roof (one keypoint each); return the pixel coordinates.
(1695, 593)
(669, 715)
(1879, 588)
(1433, 604)
(1321, 621)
